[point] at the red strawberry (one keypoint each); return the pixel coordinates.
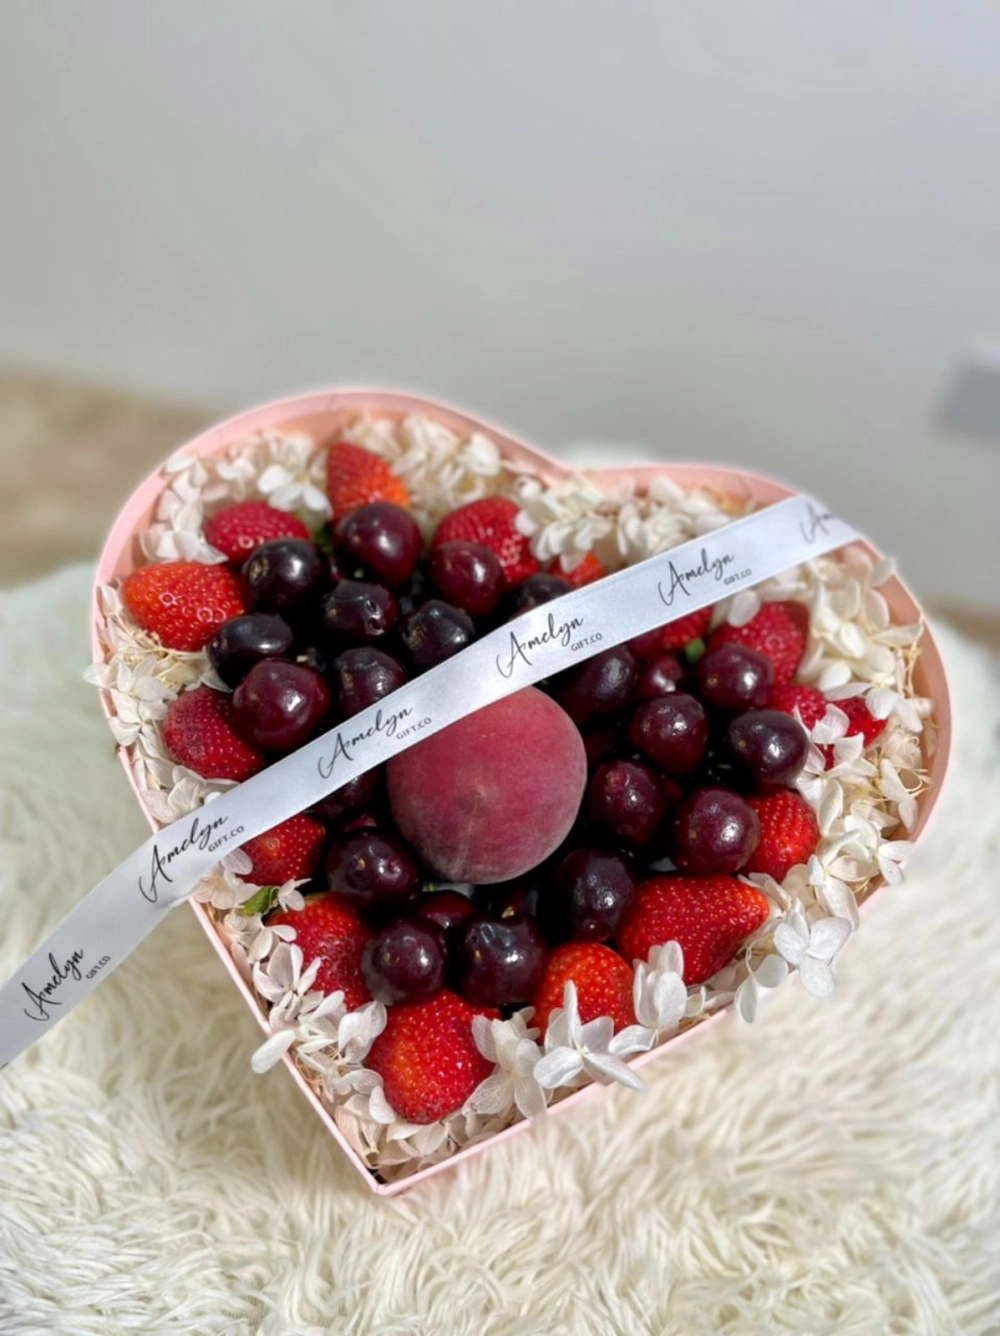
(809, 701)
(327, 926)
(603, 984)
(675, 635)
(198, 732)
(490, 522)
(789, 833)
(708, 916)
(779, 630)
(583, 573)
(812, 706)
(355, 476)
(860, 719)
(183, 602)
(237, 530)
(287, 851)
(428, 1059)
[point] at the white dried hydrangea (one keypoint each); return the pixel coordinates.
(862, 798)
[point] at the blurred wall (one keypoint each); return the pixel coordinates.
(762, 233)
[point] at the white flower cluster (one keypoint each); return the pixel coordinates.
(620, 523)
(861, 796)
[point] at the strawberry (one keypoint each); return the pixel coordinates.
(603, 984)
(287, 851)
(327, 926)
(198, 732)
(675, 635)
(809, 701)
(789, 833)
(812, 705)
(583, 573)
(490, 522)
(183, 602)
(428, 1059)
(860, 719)
(355, 476)
(237, 530)
(708, 916)
(779, 630)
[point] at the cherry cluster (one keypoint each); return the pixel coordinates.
(676, 743)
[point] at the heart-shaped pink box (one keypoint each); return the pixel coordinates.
(323, 415)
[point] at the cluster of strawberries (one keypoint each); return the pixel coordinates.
(189, 606)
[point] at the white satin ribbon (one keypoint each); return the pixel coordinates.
(127, 905)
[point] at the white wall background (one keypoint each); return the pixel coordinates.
(761, 233)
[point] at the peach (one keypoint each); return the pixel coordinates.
(491, 796)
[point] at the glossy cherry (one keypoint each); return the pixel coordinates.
(771, 746)
(446, 908)
(434, 632)
(373, 871)
(279, 706)
(660, 676)
(364, 675)
(468, 576)
(382, 537)
(286, 576)
(404, 961)
(734, 677)
(358, 611)
(592, 890)
(599, 688)
(672, 732)
(247, 640)
(499, 962)
(713, 831)
(625, 799)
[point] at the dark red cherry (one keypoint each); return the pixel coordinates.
(599, 688)
(286, 576)
(279, 706)
(770, 745)
(672, 732)
(244, 641)
(499, 962)
(504, 899)
(384, 538)
(434, 632)
(468, 576)
(734, 677)
(373, 871)
(713, 831)
(446, 908)
(648, 646)
(600, 746)
(358, 611)
(363, 676)
(592, 890)
(661, 676)
(625, 799)
(404, 961)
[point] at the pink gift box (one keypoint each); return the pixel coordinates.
(323, 415)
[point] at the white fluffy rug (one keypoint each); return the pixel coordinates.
(834, 1169)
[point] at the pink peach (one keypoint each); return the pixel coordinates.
(494, 794)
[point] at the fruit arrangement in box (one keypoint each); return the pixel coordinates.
(528, 900)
